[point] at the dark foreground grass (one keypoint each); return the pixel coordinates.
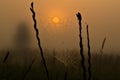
(105, 67)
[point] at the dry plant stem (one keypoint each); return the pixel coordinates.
(28, 70)
(6, 57)
(66, 74)
(38, 39)
(103, 44)
(89, 55)
(81, 45)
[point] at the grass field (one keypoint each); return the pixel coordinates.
(64, 65)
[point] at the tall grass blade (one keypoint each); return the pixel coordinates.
(89, 54)
(103, 44)
(6, 57)
(66, 74)
(28, 70)
(81, 45)
(38, 39)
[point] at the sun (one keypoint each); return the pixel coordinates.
(55, 20)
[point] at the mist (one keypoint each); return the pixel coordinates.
(102, 17)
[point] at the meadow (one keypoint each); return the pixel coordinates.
(64, 65)
(42, 64)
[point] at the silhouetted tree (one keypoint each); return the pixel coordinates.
(22, 37)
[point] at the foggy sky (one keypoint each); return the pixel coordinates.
(102, 16)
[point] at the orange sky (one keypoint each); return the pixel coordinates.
(103, 17)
